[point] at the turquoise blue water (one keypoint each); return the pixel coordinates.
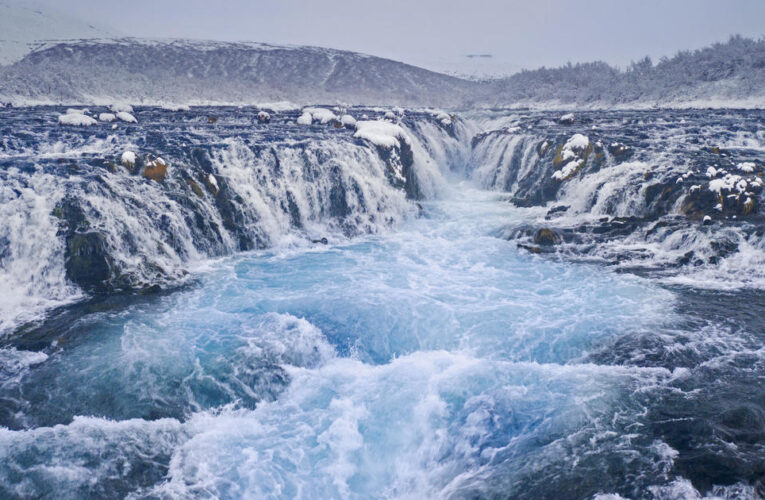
(437, 360)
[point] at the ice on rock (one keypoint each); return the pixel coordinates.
(381, 133)
(126, 117)
(107, 117)
(305, 119)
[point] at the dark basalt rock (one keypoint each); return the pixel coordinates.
(556, 210)
(531, 248)
(698, 203)
(87, 261)
(412, 187)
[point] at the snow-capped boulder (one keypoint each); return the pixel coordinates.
(444, 119)
(76, 119)
(746, 167)
(305, 119)
(128, 159)
(126, 117)
(121, 108)
(566, 119)
(155, 169)
(381, 133)
(571, 156)
(320, 115)
(348, 121)
(107, 117)
(264, 117)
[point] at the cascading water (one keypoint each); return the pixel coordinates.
(426, 357)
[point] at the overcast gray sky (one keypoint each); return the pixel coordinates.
(440, 33)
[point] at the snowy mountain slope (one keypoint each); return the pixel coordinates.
(198, 72)
(22, 25)
(220, 72)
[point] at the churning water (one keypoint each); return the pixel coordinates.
(429, 359)
(434, 361)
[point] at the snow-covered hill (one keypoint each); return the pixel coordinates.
(24, 25)
(140, 71)
(151, 71)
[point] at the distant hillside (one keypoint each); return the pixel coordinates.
(189, 72)
(219, 72)
(725, 73)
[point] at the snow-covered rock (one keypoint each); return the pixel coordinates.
(348, 121)
(128, 159)
(729, 183)
(321, 115)
(572, 156)
(121, 108)
(381, 133)
(747, 167)
(577, 142)
(264, 117)
(305, 119)
(174, 107)
(444, 119)
(126, 117)
(78, 119)
(107, 117)
(566, 119)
